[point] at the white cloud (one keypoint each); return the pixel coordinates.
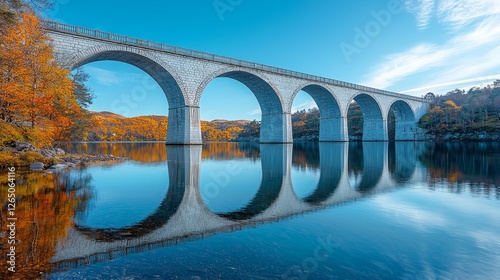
(460, 13)
(473, 52)
(423, 10)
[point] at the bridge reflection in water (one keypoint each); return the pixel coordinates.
(183, 214)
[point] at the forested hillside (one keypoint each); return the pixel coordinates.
(107, 126)
(460, 115)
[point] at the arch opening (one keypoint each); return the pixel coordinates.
(273, 169)
(368, 115)
(401, 122)
(178, 131)
(165, 80)
(317, 170)
(274, 123)
(323, 121)
(365, 163)
(402, 161)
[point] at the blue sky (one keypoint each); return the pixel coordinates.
(408, 46)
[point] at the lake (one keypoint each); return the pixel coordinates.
(372, 210)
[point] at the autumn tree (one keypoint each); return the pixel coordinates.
(81, 119)
(11, 9)
(35, 91)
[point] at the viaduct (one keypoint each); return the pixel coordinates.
(183, 75)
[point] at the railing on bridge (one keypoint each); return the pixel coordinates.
(92, 33)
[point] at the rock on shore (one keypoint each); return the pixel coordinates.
(65, 160)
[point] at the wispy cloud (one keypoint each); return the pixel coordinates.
(411, 215)
(255, 112)
(103, 76)
(467, 83)
(109, 78)
(423, 10)
(305, 105)
(457, 14)
(472, 52)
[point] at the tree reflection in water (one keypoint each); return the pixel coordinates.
(472, 166)
(45, 207)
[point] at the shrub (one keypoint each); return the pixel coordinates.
(30, 157)
(8, 159)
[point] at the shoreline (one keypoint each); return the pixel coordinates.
(25, 155)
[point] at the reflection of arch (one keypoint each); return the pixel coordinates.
(331, 165)
(402, 159)
(405, 120)
(374, 126)
(274, 168)
(150, 64)
(371, 164)
(273, 121)
(179, 176)
(331, 127)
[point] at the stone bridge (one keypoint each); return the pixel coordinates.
(183, 75)
(183, 214)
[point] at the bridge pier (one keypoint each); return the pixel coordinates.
(276, 128)
(184, 126)
(375, 130)
(405, 131)
(333, 129)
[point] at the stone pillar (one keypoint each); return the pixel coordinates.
(276, 128)
(333, 129)
(405, 131)
(184, 126)
(375, 129)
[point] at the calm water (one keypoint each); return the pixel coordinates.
(248, 211)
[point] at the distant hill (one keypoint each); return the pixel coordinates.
(106, 114)
(108, 126)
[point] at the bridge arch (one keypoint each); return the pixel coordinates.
(162, 73)
(402, 161)
(167, 208)
(331, 166)
(275, 124)
(374, 123)
(331, 127)
(365, 174)
(274, 168)
(405, 120)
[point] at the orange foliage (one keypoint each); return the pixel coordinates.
(36, 92)
(45, 207)
(112, 127)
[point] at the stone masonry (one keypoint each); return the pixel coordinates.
(183, 75)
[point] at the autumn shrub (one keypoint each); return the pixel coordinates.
(8, 159)
(30, 157)
(10, 133)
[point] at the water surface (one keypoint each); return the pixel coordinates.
(248, 211)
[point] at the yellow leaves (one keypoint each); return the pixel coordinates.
(34, 88)
(451, 104)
